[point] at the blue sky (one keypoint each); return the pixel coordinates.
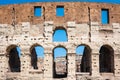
(40, 51)
(5, 2)
(104, 17)
(60, 36)
(60, 51)
(38, 11)
(80, 50)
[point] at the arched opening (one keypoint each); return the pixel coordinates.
(60, 35)
(83, 58)
(13, 53)
(37, 57)
(60, 62)
(106, 59)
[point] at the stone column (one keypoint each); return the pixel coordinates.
(48, 31)
(95, 64)
(25, 61)
(3, 66)
(48, 58)
(71, 28)
(48, 64)
(117, 64)
(71, 55)
(116, 46)
(71, 66)
(94, 31)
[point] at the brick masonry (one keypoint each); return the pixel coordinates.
(82, 22)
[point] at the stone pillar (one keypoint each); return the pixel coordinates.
(71, 56)
(71, 28)
(48, 58)
(116, 46)
(71, 66)
(95, 64)
(48, 64)
(3, 68)
(48, 31)
(117, 65)
(25, 61)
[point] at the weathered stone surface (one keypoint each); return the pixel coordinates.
(82, 23)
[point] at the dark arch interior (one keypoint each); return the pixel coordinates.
(83, 61)
(60, 64)
(14, 60)
(37, 53)
(34, 59)
(106, 59)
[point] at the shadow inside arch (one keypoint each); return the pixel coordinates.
(13, 52)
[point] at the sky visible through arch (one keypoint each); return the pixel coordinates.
(59, 51)
(60, 35)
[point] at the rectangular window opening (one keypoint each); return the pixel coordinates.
(60, 11)
(37, 11)
(105, 16)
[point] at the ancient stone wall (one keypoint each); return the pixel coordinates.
(82, 22)
(75, 11)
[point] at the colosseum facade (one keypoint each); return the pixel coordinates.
(82, 21)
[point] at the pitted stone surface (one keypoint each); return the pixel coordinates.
(83, 27)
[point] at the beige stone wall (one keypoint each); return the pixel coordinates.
(30, 30)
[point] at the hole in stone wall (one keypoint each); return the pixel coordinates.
(37, 56)
(60, 11)
(37, 11)
(60, 62)
(60, 35)
(83, 58)
(14, 58)
(105, 16)
(26, 36)
(106, 55)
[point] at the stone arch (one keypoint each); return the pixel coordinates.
(13, 56)
(37, 56)
(83, 61)
(60, 64)
(57, 37)
(106, 55)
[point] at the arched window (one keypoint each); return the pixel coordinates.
(106, 59)
(37, 57)
(60, 35)
(14, 58)
(60, 62)
(83, 58)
